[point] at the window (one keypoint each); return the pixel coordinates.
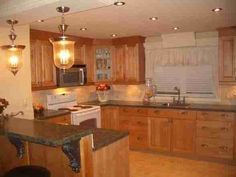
(193, 81)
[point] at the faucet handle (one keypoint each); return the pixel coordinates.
(183, 99)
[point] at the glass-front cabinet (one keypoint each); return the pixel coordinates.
(103, 58)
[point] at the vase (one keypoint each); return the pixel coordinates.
(103, 96)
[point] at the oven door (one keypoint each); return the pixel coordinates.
(88, 119)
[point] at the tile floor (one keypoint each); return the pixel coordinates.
(155, 165)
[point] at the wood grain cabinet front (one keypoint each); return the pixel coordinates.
(43, 71)
(160, 133)
(227, 55)
(215, 134)
(109, 117)
(63, 120)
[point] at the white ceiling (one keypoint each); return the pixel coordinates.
(28, 11)
(133, 18)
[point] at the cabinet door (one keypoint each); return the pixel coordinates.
(36, 63)
(89, 61)
(227, 59)
(183, 137)
(48, 68)
(118, 64)
(131, 64)
(109, 118)
(159, 133)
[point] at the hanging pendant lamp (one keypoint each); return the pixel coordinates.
(13, 52)
(63, 46)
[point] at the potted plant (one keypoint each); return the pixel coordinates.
(3, 104)
(103, 92)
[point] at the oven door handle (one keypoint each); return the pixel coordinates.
(82, 76)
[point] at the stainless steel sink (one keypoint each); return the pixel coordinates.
(176, 104)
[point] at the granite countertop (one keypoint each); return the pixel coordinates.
(41, 132)
(104, 137)
(200, 107)
(48, 113)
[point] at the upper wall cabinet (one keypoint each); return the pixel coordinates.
(43, 73)
(128, 60)
(227, 55)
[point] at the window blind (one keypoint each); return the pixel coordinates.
(193, 81)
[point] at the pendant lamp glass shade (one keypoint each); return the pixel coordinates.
(13, 52)
(63, 52)
(14, 57)
(63, 46)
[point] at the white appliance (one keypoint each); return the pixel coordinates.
(84, 115)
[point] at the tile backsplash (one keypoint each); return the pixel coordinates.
(227, 94)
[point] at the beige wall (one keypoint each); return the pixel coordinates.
(17, 89)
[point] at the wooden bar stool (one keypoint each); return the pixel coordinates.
(28, 171)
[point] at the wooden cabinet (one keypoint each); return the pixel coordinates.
(63, 120)
(183, 139)
(43, 71)
(135, 121)
(172, 130)
(215, 134)
(109, 117)
(160, 134)
(129, 64)
(227, 55)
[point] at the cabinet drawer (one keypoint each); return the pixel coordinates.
(172, 113)
(124, 123)
(215, 116)
(139, 123)
(215, 129)
(215, 148)
(133, 111)
(138, 139)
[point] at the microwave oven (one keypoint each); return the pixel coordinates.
(74, 76)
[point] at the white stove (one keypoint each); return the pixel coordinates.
(84, 115)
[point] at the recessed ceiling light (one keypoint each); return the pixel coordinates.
(40, 21)
(113, 35)
(83, 29)
(119, 3)
(176, 28)
(153, 18)
(217, 9)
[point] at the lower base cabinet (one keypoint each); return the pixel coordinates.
(183, 137)
(191, 133)
(159, 134)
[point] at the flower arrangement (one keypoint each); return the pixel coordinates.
(3, 104)
(102, 92)
(103, 87)
(38, 108)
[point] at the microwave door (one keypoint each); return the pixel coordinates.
(81, 78)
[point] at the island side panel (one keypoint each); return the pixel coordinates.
(8, 156)
(57, 162)
(112, 160)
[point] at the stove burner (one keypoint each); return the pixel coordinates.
(82, 106)
(68, 109)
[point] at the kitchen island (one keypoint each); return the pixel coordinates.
(65, 150)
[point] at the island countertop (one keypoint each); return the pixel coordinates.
(41, 132)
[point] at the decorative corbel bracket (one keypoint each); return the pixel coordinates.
(19, 145)
(72, 151)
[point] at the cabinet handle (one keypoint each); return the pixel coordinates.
(204, 113)
(224, 129)
(204, 145)
(170, 121)
(223, 148)
(224, 115)
(183, 112)
(204, 128)
(156, 111)
(139, 138)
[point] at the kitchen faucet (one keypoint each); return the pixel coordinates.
(178, 92)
